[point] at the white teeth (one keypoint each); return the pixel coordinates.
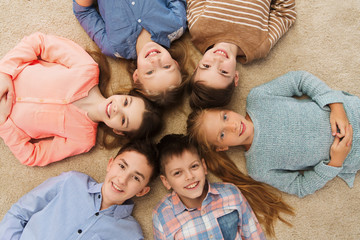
(192, 185)
(108, 109)
(221, 52)
(116, 187)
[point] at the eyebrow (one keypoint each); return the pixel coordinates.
(136, 172)
(127, 117)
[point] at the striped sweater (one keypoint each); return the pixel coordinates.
(253, 25)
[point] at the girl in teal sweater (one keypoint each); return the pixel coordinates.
(295, 145)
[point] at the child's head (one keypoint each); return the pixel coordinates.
(215, 78)
(182, 168)
(219, 128)
(129, 173)
(132, 115)
(159, 73)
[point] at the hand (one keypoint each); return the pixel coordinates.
(7, 96)
(85, 3)
(338, 119)
(341, 148)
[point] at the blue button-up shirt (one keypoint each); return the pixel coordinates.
(116, 28)
(67, 207)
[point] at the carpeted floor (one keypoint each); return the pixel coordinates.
(324, 41)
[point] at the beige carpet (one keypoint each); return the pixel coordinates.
(325, 40)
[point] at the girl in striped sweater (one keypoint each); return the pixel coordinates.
(228, 30)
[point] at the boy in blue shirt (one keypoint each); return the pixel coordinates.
(74, 206)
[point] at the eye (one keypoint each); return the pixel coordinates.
(195, 166)
(136, 178)
(126, 102)
(225, 116)
(222, 135)
(223, 72)
(121, 166)
(177, 173)
(167, 66)
(206, 65)
(123, 120)
(150, 72)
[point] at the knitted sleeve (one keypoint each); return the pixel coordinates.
(298, 83)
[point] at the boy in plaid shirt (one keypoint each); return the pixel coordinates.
(197, 209)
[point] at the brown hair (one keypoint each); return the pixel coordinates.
(202, 96)
(265, 200)
(170, 97)
(151, 122)
(146, 148)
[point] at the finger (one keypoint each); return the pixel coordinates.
(342, 130)
(333, 127)
(350, 134)
(336, 141)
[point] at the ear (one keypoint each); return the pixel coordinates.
(136, 76)
(144, 191)
(109, 164)
(118, 132)
(219, 149)
(165, 182)
(236, 79)
(204, 166)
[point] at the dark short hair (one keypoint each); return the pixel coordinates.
(202, 96)
(146, 148)
(174, 145)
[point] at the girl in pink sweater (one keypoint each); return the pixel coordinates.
(49, 91)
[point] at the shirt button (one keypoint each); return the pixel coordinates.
(99, 196)
(139, 20)
(79, 231)
(97, 214)
(133, 3)
(211, 236)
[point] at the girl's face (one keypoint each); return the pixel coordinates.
(157, 71)
(186, 175)
(122, 113)
(224, 129)
(217, 68)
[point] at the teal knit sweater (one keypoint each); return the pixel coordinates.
(292, 137)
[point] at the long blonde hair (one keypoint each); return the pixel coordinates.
(265, 200)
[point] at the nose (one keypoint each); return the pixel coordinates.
(231, 126)
(122, 179)
(189, 175)
(155, 61)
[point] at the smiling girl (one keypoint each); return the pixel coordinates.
(141, 30)
(295, 145)
(228, 30)
(49, 92)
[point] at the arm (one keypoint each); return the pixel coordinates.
(6, 96)
(281, 17)
(248, 224)
(45, 151)
(49, 48)
(93, 24)
(299, 83)
(15, 220)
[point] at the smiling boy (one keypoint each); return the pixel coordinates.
(197, 209)
(74, 206)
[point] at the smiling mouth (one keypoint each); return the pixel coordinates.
(152, 53)
(221, 52)
(242, 128)
(193, 185)
(108, 109)
(117, 188)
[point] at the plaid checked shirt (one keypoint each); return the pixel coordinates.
(172, 220)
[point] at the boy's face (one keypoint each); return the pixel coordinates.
(186, 175)
(127, 176)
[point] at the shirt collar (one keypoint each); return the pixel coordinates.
(118, 211)
(179, 207)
